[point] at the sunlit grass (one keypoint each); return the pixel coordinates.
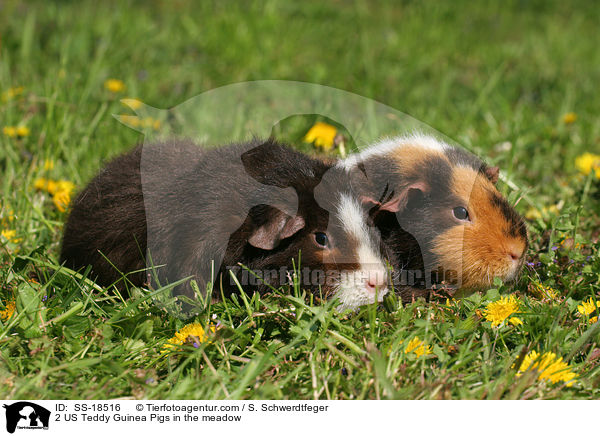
(515, 84)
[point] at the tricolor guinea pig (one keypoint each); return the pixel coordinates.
(443, 223)
(172, 211)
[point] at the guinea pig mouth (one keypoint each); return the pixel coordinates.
(512, 274)
(354, 295)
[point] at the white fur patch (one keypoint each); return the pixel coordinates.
(387, 145)
(353, 291)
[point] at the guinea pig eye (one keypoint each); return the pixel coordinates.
(321, 239)
(460, 213)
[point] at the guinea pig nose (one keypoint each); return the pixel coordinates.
(515, 254)
(376, 280)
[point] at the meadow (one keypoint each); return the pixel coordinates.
(515, 82)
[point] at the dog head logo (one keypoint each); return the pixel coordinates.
(26, 415)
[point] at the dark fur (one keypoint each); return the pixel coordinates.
(188, 195)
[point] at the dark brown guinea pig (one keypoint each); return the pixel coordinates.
(443, 223)
(191, 212)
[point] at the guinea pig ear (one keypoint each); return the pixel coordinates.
(279, 226)
(398, 201)
(492, 173)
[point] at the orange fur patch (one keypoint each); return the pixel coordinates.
(410, 158)
(480, 248)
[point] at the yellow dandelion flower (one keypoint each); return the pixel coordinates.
(498, 311)
(48, 164)
(544, 212)
(136, 122)
(40, 184)
(10, 236)
(132, 103)
(321, 135)
(61, 200)
(48, 185)
(543, 291)
(147, 122)
(10, 131)
(52, 187)
(11, 93)
(65, 186)
(192, 333)
(515, 321)
(533, 214)
(130, 120)
(7, 216)
(417, 346)
(22, 131)
(18, 90)
(19, 131)
(549, 366)
(114, 85)
(451, 301)
(586, 308)
(551, 210)
(569, 118)
(7, 313)
(587, 163)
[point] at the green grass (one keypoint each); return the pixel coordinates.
(483, 74)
